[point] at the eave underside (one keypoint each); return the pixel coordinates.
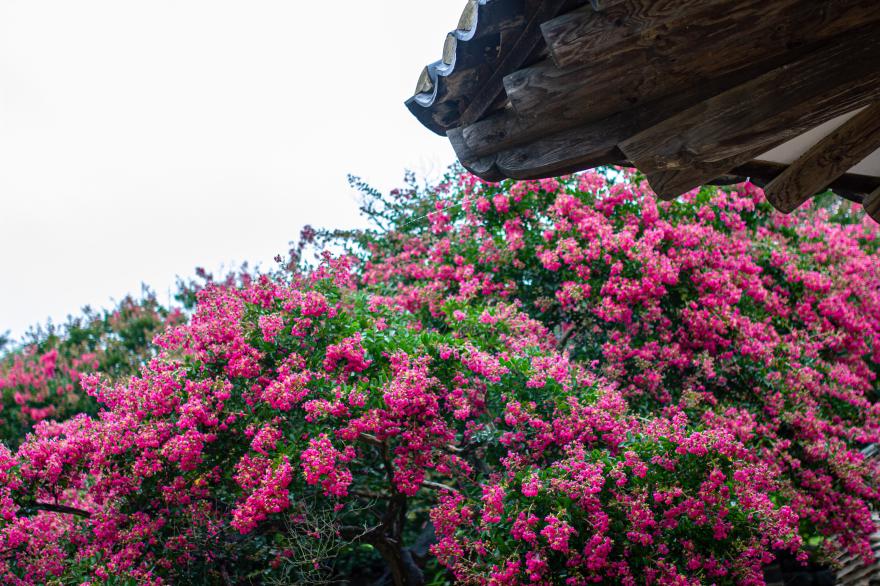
(783, 91)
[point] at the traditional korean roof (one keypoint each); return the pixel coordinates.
(786, 92)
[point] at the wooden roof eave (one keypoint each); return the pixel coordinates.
(492, 39)
(630, 85)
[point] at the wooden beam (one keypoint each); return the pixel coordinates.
(579, 147)
(520, 49)
(827, 160)
(734, 127)
(445, 86)
(851, 186)
(872, 205)
(548, 158)
(483, 167)
(506, 130)
(582, 36)
(653, 49)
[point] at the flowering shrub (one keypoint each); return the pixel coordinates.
(41, 379)
(555, 382)
(747, 320)
(280, 399)
(674, 508)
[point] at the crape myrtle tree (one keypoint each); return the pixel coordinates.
(289, 418)
(713, 305)
(40, 377)
(555, 382)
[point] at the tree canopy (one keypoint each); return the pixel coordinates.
(553, 382)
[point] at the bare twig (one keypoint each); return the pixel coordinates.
(565, 338)
(438, 486)
(61, 509)
(371, 439)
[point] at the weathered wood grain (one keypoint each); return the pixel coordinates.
(580, 145)
(508, 129)
(827, 160)
(872, 205)
(512, 57)
(483, 167)
(531, 164)
(582, 36)
(709, 139)
(703, 41)
(851, 186)
(469, 52)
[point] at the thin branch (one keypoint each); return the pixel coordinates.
(358, 533)
(438, 486)
(453, 449)
(371, 439)
(61, 509)
(370, 494)
(565, 337)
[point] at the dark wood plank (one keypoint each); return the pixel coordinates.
(827, 160)
(872, 205)
(851, 186)
(528, 163)
(581, 36)
(524, 44)
(734, 127)
(443, 90)
(506, 130)
(483, 167)
(701, 42)
(582, 145)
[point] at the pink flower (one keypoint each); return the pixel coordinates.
(350, 352)
(269, 497)
(270, 325)
(322, 463)
(557, 533)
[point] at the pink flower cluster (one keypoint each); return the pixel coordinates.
(41, 379)
(554, 382)
(322, 463)
(195, 459)
(749, 322)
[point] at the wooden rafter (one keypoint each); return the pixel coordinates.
(505, 131)
(688, 91)
(872, 204)
(525, 43)
(509, 128)
(581, 37)
(575, 36)
(851, 186)
(711, 138)
(827, 160)
(590, 144)
(679, 44)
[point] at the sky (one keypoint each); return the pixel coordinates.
(141, 139)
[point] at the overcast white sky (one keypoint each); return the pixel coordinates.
(140, 139)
